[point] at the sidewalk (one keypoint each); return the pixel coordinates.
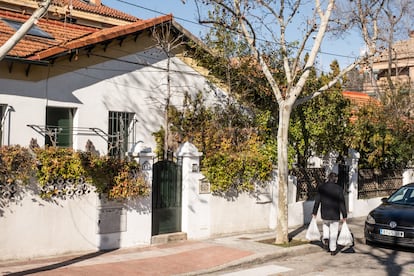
(178, 258)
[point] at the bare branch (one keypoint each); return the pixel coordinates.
(265, 68)
(329, 85)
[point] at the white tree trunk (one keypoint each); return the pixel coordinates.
(288, 93)
(283, 172)
(6, 47)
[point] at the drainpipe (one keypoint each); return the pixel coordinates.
(7, 113)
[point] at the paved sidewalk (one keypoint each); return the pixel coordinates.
(178, 258)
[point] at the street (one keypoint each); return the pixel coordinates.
(359, 260)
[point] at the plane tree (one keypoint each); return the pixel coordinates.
(320, 126)
(262, 24)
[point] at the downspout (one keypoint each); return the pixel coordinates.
(7, 114)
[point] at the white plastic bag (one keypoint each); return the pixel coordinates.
(345, 237)
(313, 234)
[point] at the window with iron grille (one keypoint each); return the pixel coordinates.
(120, 132)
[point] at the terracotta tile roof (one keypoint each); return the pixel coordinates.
(99, 9)
(359, 98)
(100, 36)
(61, 32)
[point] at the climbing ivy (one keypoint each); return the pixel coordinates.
(238, 150)
(16, 164)
(118, 179)
(55, 162)
(114, 177)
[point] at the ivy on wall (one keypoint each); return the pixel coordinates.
(16, 165)
(64, 172)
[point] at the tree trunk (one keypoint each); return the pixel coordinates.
(283, 173)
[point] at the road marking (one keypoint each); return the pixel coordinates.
(262, 271)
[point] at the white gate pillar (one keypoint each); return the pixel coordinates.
(145, 157)
(195, 194)
(408, 176)
(353, 180)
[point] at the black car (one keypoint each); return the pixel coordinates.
(393, 221)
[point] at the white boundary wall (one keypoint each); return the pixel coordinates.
(33, 227)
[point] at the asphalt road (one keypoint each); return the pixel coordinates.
(360, 260)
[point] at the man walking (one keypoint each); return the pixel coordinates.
(331, 198)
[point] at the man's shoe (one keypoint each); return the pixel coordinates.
(326, 244)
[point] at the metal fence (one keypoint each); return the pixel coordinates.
(371, 182)
(307, 182)
(378, 183)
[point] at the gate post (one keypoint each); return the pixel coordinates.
(353, 180)
(330, 163)
(145, 157)
(195, 203)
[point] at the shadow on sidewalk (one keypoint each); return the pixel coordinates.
(296, 232)
(60, 264)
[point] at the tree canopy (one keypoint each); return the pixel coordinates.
(275, 20)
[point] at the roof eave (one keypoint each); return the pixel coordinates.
(99, 37)
(26, 61)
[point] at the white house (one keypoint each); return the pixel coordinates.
(87, 74)
(67, 83)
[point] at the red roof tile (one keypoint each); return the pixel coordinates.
(99, 9)
(100, 36)
(61, 32)
(359, 98)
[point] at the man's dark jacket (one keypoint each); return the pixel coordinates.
(331, 198)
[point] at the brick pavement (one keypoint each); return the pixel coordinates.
(170, 259)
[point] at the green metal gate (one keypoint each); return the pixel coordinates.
(343, 177)
(166, 196)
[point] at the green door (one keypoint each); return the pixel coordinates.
(166, 197)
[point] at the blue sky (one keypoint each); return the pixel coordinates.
(343, 50)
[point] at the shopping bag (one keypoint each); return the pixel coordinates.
(313, 234)
(345, 237)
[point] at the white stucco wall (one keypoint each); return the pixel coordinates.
(300, 213)
(32, 227)
(238, 214)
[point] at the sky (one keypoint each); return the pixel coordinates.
(343, 50)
